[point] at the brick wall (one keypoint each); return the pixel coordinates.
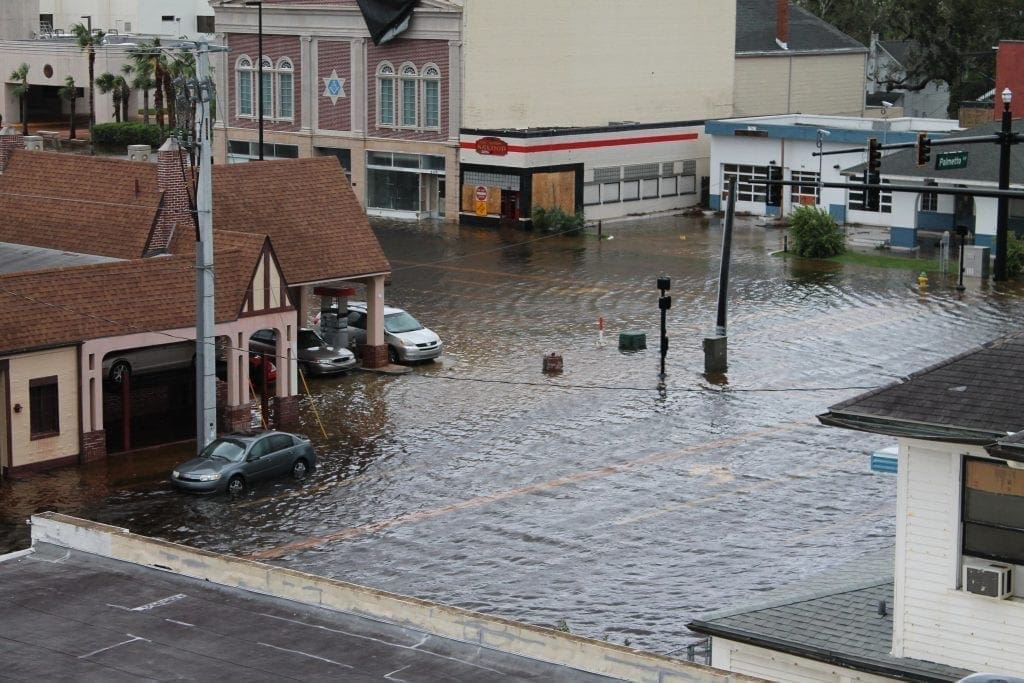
(1010, 74)
(274, 47)
(10, 140)
(94, 445)
(175, 201)
(399, 52)
(334, 55)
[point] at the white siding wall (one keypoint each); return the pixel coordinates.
(941, 623)
(534, 63)
(810, 84)
(779, 666)
(792, 155)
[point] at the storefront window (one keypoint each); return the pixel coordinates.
(393, 190)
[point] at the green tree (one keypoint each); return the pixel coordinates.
(143, 80)
(815, 233)
(951, 39)
(1014, 255)
(152, 54)
(88, 40)
(108, 83)
(20, 90)
(69, 92)
(127, 76)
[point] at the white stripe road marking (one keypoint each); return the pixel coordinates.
(132, 639)
(150, 605)
(306, 654)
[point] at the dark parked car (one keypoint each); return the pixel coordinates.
(314, 355)
(234, 461)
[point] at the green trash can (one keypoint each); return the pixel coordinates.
(632, 341)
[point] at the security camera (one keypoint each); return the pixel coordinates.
(886, 104)
(822, 131)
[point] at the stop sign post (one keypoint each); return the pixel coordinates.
(481, 200)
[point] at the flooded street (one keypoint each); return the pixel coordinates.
(591, 496)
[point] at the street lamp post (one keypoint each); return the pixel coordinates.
(961, 231)
(258, 4)
(821, 139)
(1003, 204)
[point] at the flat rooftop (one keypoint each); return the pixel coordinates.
(93, 602)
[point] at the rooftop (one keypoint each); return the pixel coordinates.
(90, 601)
(834, 617)
(755, 31)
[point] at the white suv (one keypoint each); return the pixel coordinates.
(406, 338)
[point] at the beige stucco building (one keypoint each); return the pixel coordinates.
(788, 61)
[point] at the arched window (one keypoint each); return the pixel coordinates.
(431, 96)
(268, 88)
(409, 106)
(285, 89)
(385, 94)
(243, 86)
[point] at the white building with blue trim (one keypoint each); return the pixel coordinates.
(754, 148)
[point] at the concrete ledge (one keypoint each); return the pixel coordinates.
(534, 642)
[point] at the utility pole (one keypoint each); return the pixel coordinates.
(1003, 203)
(206, 387)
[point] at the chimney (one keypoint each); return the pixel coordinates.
(10, 140)
(175, 212)
(782, 23)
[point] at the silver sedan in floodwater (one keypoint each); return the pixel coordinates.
(232, 462)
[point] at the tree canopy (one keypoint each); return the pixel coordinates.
(952, 40)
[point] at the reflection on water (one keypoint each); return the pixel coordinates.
(588, 496)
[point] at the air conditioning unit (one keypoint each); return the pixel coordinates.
(33, 142)
(139, 152)
(989, 579)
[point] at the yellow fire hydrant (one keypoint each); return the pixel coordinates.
(922, 280)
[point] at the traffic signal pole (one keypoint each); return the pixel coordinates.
(872, 185)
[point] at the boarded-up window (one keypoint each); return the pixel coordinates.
(993, 511)
(555, 190)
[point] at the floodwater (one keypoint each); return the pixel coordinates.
(591, 496)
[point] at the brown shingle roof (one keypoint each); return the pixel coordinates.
(68, 305)
(306, 206)
(970, 398)
(91, 205)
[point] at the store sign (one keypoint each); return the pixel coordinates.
(492, 147)
(481, 193)
(948, 160)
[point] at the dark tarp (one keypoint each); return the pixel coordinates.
(386, 18)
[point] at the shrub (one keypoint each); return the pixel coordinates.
(120, 135)
(1014, 255)
(815, 233)
(556, 221)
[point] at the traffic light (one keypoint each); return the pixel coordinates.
(874, 155)
(872, 175)
(871, 196)
(924, 149)
(774, 191)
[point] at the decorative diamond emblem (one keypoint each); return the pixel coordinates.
(334, 87)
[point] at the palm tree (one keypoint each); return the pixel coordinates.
(143, 81)
(107, 83)
(126, 88)
(88, 41)
(21, 92)
(151, 53)
(69, 92)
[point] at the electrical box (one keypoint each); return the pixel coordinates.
(976, 261)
